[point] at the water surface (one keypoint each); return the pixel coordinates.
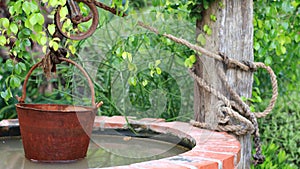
(104, 151)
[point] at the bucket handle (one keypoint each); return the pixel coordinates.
(94, 104)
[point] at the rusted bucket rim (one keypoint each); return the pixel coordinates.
(69, 108)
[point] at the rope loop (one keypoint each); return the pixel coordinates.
(274, 90)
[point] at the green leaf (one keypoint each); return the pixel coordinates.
(158, 70)
(22, 65)
(62, 2)
(127, 55)
(205, 27)
(152, 73)
(15, 82)
(66, 24)
(145, 82)
(40, 18)
(55, 46)
(272, 46)
(288, 40)
(268, 60)
(283, 49)
(4, 22)
(72, 49)
(26, 42)
(267, 25)
(213, 17)
(259, 23)
(124, 55)
(5, 95)
(207, 30)
(26, 7)
(259, 34)
(205, 4)
(34, 7)
(9, 64)
(43, 40)
(53, 3)
(297, 38)
(27, 24)
(132, 81)
(11, 10)
(281, 39)
(295, 4)
(281, 156)
(2, 40)
(26, 31)
(188, 63)
(256, 45)
(14, 28)
(38, 28)
(36, 18)
(18, 69)
(63, 13)
(201, 39)
(33, 19)
(17, 7)
(192, 59)
(51, 29)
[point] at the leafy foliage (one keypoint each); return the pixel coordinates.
(274, 161)
(25, 26)
(276, 42)
(276, 39)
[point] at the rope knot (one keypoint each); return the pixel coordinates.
(251, 65)
(51, 59)
(223, 115)
(226, 60)
(55, 55)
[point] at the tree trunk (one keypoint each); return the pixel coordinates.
(232, 35)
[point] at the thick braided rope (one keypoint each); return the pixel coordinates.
(230, 61)
(236, 129)
(241, 105)
(258, 157)
(274, 90)
(209, 88)
(201, 82)
(195, 47)
(223, 123)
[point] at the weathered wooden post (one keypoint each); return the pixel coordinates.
(232, 34)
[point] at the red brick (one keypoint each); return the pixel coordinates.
(226, 159)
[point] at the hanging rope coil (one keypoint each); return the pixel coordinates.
(236, 108)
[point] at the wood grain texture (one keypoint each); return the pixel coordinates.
(232, 34)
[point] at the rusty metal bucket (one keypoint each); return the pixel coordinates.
(56, 133)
